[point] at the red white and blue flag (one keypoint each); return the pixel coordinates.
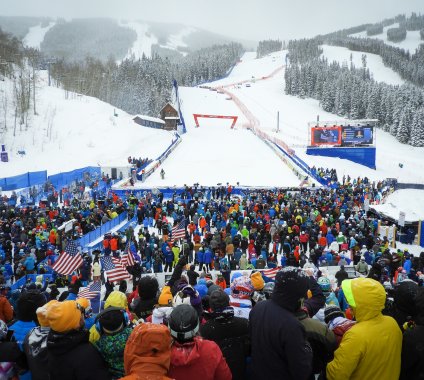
(114, 269)
(269, 274)
(91, 291)
(179, 230)
(127, 258)
(69, 261)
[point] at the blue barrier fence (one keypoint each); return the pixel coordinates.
(64, 179)
(23, 180)
(99, 245)
(32, 277)
(100, 231)
(38, 178)
(142, 175)
(361, 155)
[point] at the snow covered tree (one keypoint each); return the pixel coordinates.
(404, 128)
(417, 128)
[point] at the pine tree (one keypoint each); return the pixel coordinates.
(403, 130)
(417, 128)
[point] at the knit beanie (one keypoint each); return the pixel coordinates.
(28, 302)
(291, 284)
(218, 300)
(41, 314)
(404, 296)
(165, 298)
(147, 288)
(111, 321)
(63, 316)
(331, 312)
(257, 280)
(241, 288)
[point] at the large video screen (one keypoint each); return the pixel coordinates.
(326, 136)
(363, 135)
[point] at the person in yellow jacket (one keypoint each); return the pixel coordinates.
(371, 349)
(176, 252)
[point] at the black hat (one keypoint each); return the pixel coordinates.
(218, 300)
(183, 323)
(148, 288)
(291, 284)
(112, 320)
(28, 302)
(404, 296)
(331, 312)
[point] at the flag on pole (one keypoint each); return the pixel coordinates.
(91, 291)
(69, 260)
(114, 269)
(179, 230)
(269, 274)
(127, 258)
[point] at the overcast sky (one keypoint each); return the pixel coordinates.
(248, 19)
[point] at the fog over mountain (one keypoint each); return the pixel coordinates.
(248, 19)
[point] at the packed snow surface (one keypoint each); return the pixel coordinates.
(410, 201)
(374, 63)
(410, 43)
(144, 41)
(36, 34)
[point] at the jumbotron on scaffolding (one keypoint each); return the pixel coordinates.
(353, 140)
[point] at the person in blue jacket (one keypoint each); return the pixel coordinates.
(169, 259)
(200, 256)
(29, 264)
(407, 264)
(208, 259)
(330, 237)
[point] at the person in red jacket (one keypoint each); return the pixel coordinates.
(192, 357)
(304, 239)
(114, 244)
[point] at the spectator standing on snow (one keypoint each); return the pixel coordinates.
(279, 346)
(371, 349)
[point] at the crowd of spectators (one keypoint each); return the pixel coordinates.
(249, 294)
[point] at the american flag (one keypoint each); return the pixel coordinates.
(114, 269)
(179, 230)
(269, 274)
(127, 258)
(91, 291)
(69, 260)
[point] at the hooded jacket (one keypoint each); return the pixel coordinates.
(198, 359)
(147, 353)
(35, 348)
(72, 357)
(371, 349)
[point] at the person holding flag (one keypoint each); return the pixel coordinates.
(69, 261)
